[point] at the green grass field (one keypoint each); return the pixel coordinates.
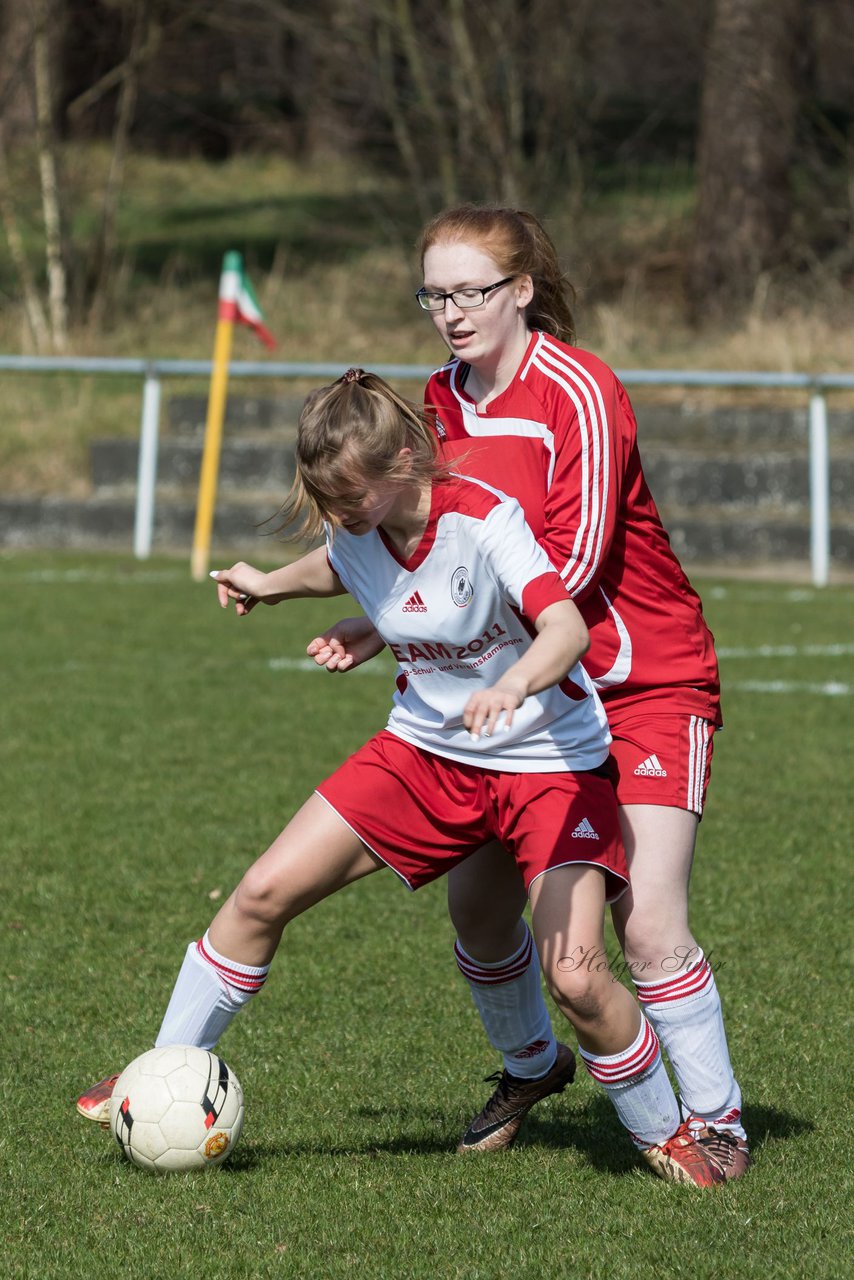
(152, 746)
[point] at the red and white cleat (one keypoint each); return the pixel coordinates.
(728, 1150)
(683, 1159)
(94, 1104)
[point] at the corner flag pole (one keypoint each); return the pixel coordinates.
(237, 302)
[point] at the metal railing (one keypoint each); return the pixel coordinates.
(153, 372)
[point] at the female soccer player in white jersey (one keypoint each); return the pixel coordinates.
(552, 426)
(496, 732)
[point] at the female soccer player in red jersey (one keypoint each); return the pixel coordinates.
(551, 425)
(496, 732)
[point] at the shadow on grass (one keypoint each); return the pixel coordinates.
(591, 1129)
(766, 1125)
(594, 1130)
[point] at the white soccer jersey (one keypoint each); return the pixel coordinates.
(456, 615)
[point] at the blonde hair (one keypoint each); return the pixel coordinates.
(351, 433)
(520, 245)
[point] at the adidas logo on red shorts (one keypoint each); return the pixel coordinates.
(584, 831)
(650, 768)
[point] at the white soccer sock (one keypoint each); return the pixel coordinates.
(208, 992)
(638, 1085)
(509, 998)
(686, 1013)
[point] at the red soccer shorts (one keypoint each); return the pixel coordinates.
(422, 814)
(661, 759)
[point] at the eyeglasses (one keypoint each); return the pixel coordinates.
(465, 299)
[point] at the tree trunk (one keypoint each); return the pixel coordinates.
(426, 99)
(399, 121)
(50, 189)
(745, 149)
(32, 304)
(140, 47)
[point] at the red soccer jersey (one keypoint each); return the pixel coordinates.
(562, 440)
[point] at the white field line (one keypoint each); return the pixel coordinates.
(103, 577)
(761, 651)
(829, 689)
(375, 668)
(788, 651)
(786, 595)
(832, 689)
(157, 577)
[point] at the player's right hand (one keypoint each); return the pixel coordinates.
(347, 645)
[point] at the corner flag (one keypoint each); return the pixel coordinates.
(237, 303)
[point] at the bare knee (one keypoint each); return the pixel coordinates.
(578, 991)
(486, 909)
(651, 933)
(487, 928)
(263, 899)
(652, 953)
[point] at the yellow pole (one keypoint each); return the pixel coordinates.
(210, 456)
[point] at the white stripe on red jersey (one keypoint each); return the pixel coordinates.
(562, 439)
(595, 459)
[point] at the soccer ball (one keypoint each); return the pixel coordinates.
(177, 1108)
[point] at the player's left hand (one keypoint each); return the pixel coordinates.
(485, 709)
(237, 584)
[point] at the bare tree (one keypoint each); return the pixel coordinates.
(44, 16)
(479, 99)
(746, 148)
(33, 309)
(36, 63)
(143, 43)
(15, 61)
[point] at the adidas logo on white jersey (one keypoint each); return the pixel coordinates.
(415, 604)
(584, 831)
(650, 768)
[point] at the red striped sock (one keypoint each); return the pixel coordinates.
(242, 979)
(688, 984)
(508, 995)
(637, 1083)
(208, 992)
(685, 1010)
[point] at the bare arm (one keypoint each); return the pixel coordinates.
(561, 640)
(307, 577)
